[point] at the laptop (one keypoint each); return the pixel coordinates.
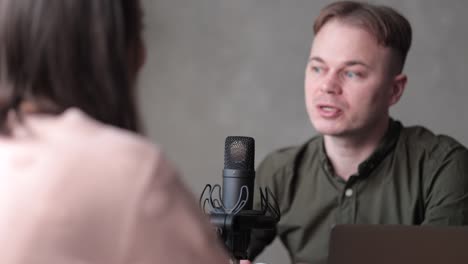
(397, 244)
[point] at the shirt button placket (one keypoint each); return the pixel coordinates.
(348, 205)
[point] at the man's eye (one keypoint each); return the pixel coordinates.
(350, 74)
(316, 69)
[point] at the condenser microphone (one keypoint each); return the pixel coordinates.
(230, 209)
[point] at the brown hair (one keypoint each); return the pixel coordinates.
(390, 28)
(74, 53)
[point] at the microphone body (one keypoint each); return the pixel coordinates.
(234, 182)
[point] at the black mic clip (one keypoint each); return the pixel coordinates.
(233, 225)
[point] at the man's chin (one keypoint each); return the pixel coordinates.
(328, 129)
(331, 132)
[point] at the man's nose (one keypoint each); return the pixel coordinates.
(331, 85)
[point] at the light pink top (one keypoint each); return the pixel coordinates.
(73, 191)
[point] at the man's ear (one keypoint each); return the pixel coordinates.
(397, 88)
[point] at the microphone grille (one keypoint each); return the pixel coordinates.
(239, 153)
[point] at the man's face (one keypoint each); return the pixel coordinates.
(348, 81)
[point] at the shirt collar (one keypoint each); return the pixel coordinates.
(386, 145)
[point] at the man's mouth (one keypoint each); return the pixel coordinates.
(329, 111)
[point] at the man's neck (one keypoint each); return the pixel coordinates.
(346, 153)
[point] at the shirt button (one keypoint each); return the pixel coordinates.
(349, 192)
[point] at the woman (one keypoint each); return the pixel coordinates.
(79, 186)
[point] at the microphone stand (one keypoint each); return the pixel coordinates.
(234, 229)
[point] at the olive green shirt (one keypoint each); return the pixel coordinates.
(414, 177)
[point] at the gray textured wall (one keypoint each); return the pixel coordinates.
(235, 67)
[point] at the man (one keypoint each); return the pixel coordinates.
(364, 167)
